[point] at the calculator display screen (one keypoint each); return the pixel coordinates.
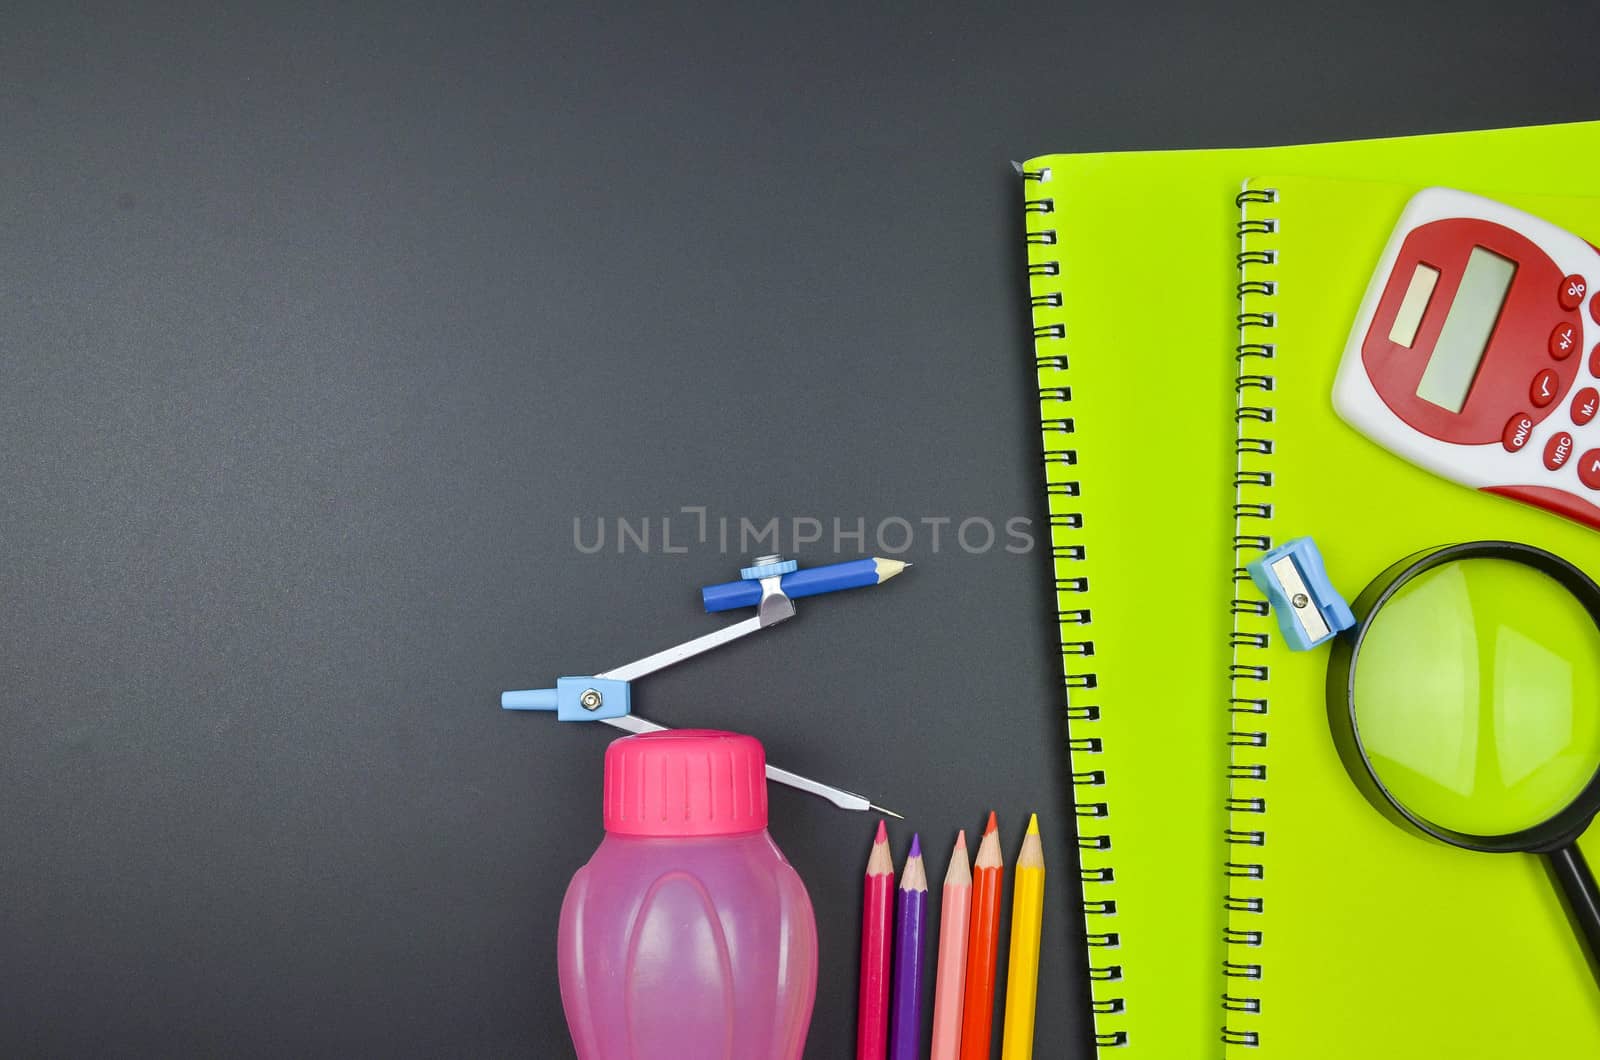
(1465, 335)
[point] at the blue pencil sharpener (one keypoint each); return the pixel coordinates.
(1310, 610)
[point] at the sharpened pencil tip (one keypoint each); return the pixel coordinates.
(961, 838)
(888, 568)
(916, 845)
(1033, 825)
(993, 825)
(883, 833)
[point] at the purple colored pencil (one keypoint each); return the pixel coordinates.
(905, 1004)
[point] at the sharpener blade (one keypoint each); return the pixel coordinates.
(1305, 608)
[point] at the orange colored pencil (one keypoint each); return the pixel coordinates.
(951, 978)
(877, 941)
(983, 947)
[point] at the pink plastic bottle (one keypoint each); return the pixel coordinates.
(687, 935)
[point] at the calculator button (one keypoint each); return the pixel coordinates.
(1557, 449)
(1518, 430)
(1594, 309)
(1545, 387)
(1594, 361)
(1563, 340)
(1585, 403)
(1573, 288)
(1589, 469)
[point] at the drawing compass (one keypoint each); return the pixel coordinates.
(607, 696)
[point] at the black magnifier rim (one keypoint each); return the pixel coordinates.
(1555, 832)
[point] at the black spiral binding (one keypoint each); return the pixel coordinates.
(1246, 832)
(1062, 490)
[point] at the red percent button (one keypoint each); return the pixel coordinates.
(1573, 288)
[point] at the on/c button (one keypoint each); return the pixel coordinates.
(1519, 429)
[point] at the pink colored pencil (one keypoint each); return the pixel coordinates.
(951, 977)
(877, 941)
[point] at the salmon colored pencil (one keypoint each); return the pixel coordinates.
(951, 977)
(983, 947)
(1022, 975)
(877, 930)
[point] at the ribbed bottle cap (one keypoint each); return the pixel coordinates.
(685, 782)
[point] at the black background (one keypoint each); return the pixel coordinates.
(319, 328)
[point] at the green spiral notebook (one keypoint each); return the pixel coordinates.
(1332, 908)
(1132, 287)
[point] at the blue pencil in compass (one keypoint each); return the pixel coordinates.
(812, 581)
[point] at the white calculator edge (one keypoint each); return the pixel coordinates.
(1479, 466)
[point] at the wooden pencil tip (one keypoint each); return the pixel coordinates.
(1033, 825)
(989, 856)
(914, 877)
(993, 825)
(883, 833)
(888, 568)
(959, 870)
(916, 845)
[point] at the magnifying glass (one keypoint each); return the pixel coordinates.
(1465, 703)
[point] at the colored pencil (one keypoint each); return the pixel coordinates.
(1022, 973)
(910, 921)
(983, 946)
(951, 981)
(877, 927)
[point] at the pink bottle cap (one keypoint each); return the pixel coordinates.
(686, 782)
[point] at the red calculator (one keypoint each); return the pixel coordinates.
(1476, 353)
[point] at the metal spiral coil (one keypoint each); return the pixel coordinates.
(1248, 706)
(1046, 302)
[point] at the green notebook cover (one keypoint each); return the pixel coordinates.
(1132, 286)
(1433, 951)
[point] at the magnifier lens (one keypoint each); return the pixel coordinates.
(1477, 696)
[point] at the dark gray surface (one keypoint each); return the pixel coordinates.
(318, 329)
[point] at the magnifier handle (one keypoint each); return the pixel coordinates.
(1583, 896)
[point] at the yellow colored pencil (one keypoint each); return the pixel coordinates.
(1022, 975)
